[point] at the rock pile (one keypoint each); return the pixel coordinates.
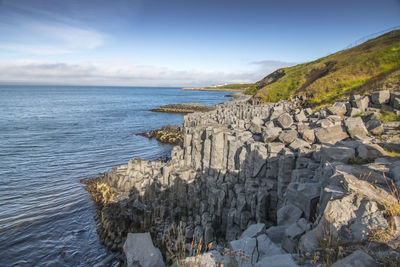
(273, 181)
(170, 134)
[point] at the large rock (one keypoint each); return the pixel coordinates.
(375, 127)
(287, 136)
(288, 214)
(270, 134)
(380, 97)
(331, 153)
(248, 246)
(283, 260)
(298, 144)
(140, 251)
(305, 196)
(285, 120)
(356, 259)
(355, 127)
(266, 247)
(331, 135)
(253, 230)
(339, 108)
(360, 102)
(370, 152)
(208, 259)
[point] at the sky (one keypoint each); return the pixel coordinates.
(176, 42)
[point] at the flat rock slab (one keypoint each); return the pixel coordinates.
(331, 135)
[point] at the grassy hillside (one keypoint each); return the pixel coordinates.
(234, 86)
(373, 65)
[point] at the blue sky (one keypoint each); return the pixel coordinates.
(176, 42)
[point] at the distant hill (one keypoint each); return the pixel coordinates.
(373, 65)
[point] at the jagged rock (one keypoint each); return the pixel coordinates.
(276, 233)
(339, 108)
(375, 127)
(293, 234)
(275, 147)
(253, 230)
(309, 136)
(140, 251)
(266, 247)
(353, 112)
(380, 97)
(285, 120)
(331, 153)
(331, 135)
(288, 214)
(355, 127)
(308, 242)
(370, 152)
(283, 260)
(324, 123)
(360, 102)
(356, 259)
(249, 248)
(287, 136)
(270, 134)
(298, 144)
(305, 196)
(371, 115)
(300, 116)
(255, 125)
(209, 259)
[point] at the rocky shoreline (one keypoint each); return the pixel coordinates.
(184, 108)
(266, 184)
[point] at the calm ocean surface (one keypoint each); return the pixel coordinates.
(50, 137)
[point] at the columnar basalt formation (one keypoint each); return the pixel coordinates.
(289, 169)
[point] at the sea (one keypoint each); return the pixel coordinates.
(53, 136)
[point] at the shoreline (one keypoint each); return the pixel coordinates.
(211, 89)
(244, 167)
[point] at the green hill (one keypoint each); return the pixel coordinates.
(373, 65)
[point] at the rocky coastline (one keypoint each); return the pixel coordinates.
(265, 185)
(184, 108)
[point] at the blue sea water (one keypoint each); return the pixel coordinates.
(52, 136)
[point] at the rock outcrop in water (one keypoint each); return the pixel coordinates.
(170, 134)
(184, 108)
(279, 184)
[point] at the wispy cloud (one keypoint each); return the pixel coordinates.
(35, 32)
(114, 73)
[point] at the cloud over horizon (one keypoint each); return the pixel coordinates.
(116, 73)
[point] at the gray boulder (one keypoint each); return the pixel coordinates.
(370, 152)
(360, 102)
(309, 136)
(253, 230)
(283, 260)
(288, 214)
(287, 136)
(375, 127)
(270, 134)
(356, 259)
(208, 259)
(355, 127)
(336, 153)
(380, 97)
(298, 144)
(339, 108)
(301, 116)
(331, 135)
(140, 251)
(284, 120)
(248, 246)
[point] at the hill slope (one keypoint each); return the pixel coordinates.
(373, 65)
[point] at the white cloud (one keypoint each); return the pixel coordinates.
(115, 73)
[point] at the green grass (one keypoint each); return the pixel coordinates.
(370, 66)
(234, 86)
(387, 116)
